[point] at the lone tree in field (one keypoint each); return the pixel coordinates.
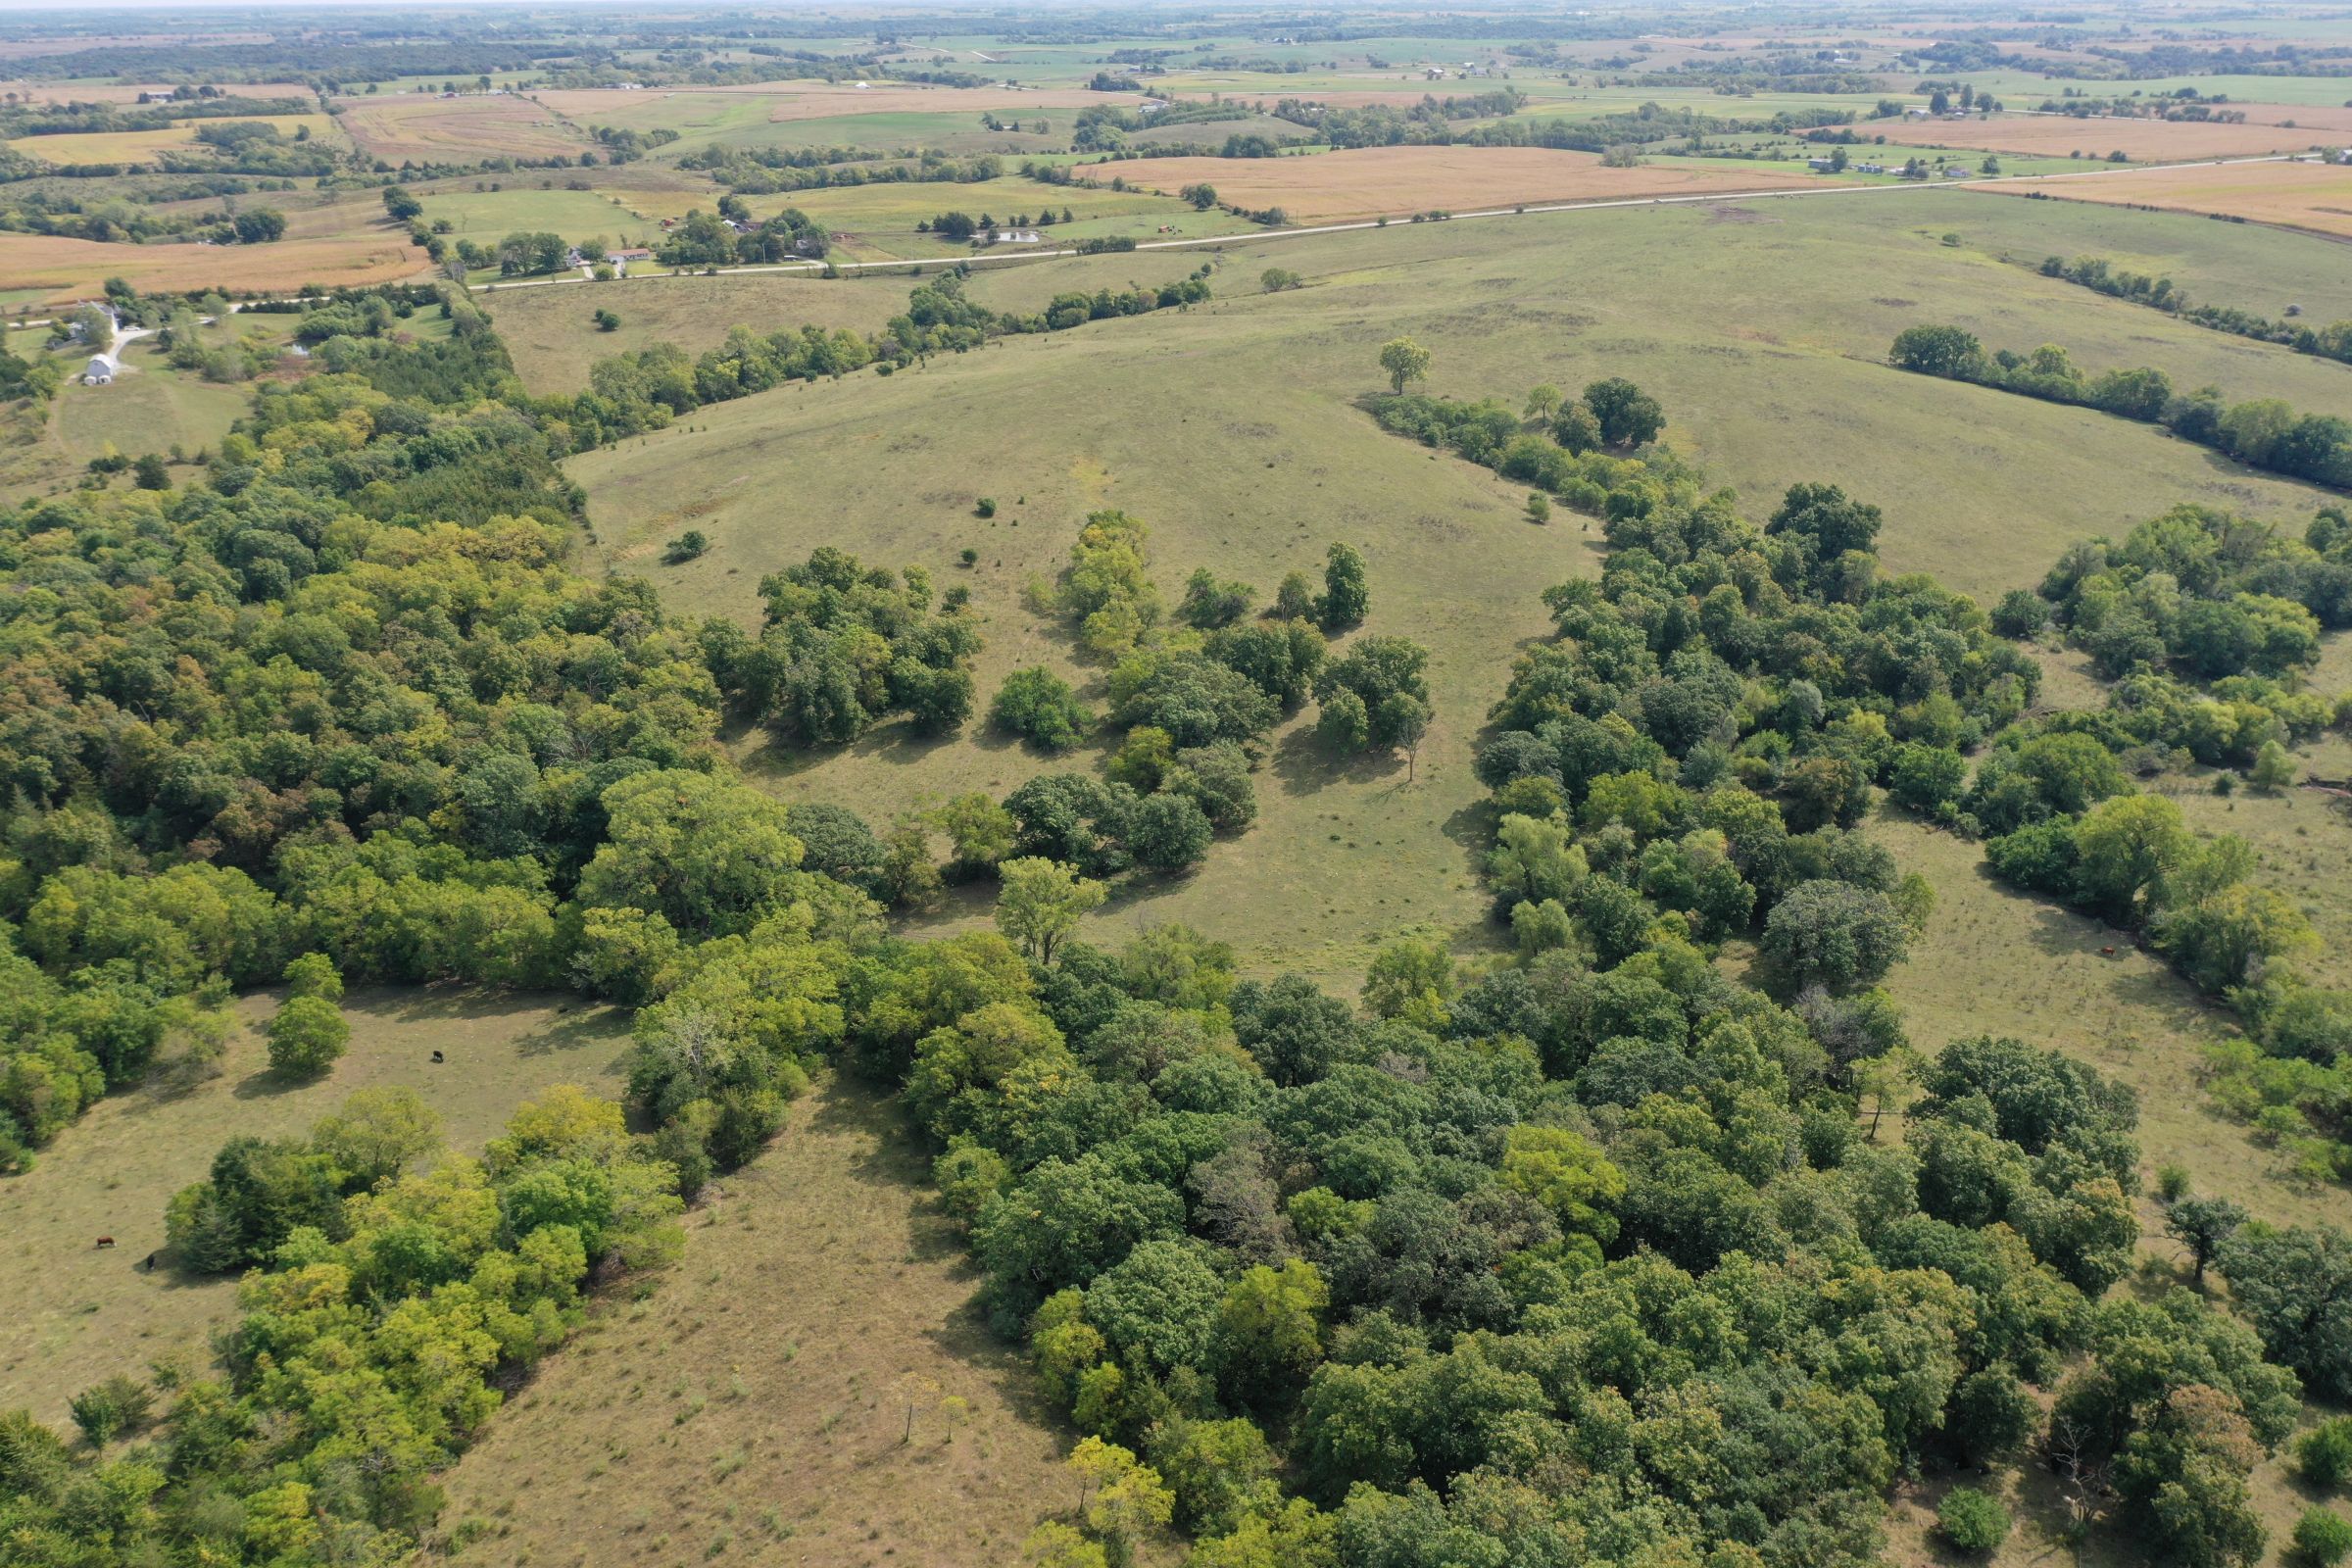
(306, 1037)
(1042, 902)
(1404, 359)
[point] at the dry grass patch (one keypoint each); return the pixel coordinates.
(1408, 180)
(427, 130)
(77, 1314)
(2308, 196)
(812, 1384)
(2057, 135)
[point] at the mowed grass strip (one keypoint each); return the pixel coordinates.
(78, 1314)
(814, 1384)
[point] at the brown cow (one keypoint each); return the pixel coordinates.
(105, 1242)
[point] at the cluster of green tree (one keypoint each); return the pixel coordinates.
(1342, 128)
(2183, 102)
(2201, 592)
(233, 709)
(765, 172)
(29, 117)
(2331, 342)
(1560, 446)
(2261, 432)
(631, 393)
(2181, 59)
(37, 379)
(1194, 700)
(843, 647)
(128, 220)
(1675, 770)
(624, 145)
(401, 1297)
(705, 239)
(2060, 816)
(1415, 1284)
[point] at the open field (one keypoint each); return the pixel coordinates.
(553, 339)
(1765, 352)
(757, 1403)
(1998, 962)
(2144, 141)
(445, 131)
(1408, 179)
(77, 1314)
(66, 270)
(2298, 195)
(2304, 838)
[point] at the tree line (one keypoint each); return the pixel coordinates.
(2258, 432)
(2331, 342)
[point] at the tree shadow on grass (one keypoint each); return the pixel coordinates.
(1303, 764)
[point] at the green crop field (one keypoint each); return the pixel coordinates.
(77, 1315)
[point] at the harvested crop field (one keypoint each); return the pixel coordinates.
(2308, 196)
(2142, 140)
(77, 269)
(816, 100)
(422, 129)
(1408, 179)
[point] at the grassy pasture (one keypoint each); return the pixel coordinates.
(486, 216)
(814, 1385)
(553, 339)
(1763, 345)
(1401, 181)
(77, 1315)
(1998, 962)
(2306, 196)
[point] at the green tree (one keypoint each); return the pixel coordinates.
(2203, 1225)
(1346, 599)
(1972, 1521)
(307, 1034)
(1404, 361)
(1042, 902)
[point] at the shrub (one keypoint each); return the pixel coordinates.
(1972, 1521)
(1040, 708)
(112, 1407)
(985, 507)
(2324, 1454)
(686, 546)
(2322, 1538)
